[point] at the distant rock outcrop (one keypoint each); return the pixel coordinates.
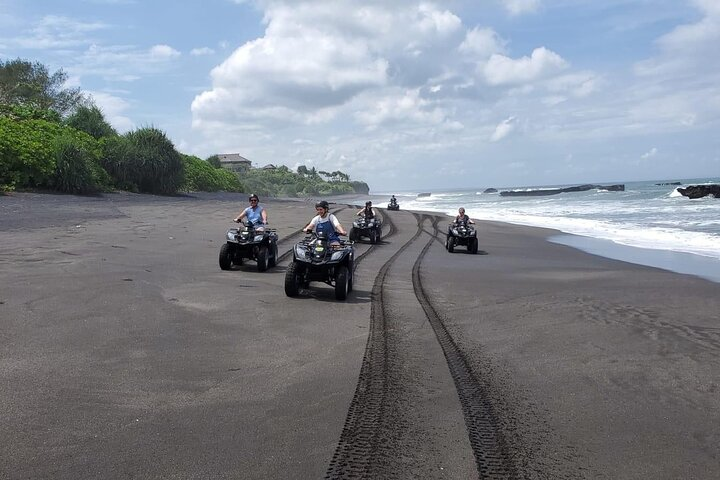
(555, 191)
(669, 183)
(424, 194)
(699, 191)
(490, 190)
(360, 187)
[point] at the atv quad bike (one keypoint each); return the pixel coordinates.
(461, 234)
(370, 228)
(252, 242)
(315, 260)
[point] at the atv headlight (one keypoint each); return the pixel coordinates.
(231, 235)
(299, 251)
(455, 231)
(258, 238)
(336, 255)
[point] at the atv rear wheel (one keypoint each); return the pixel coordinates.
(341, 282)
(225, 257)
(292, 280)
(262, 258)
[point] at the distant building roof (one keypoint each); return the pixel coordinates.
(269, 166)
(233, 158)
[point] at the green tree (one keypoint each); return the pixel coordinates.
(214, 160)
(152, 162)
(31, 84)
(200, 176)
(90, 119)
(77, 167)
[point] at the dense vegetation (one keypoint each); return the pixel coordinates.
(56, 138)
(282, 182)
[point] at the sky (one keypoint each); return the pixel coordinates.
(404, 95)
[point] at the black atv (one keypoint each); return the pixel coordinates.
(314, 260)
(461, 234)
(249, 242)
(366, 227)
(393, 205)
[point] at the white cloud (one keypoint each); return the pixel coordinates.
(123, 63)
(503, 129)
(578, 84)
(163, 52)
(482, 43)
(502, 70)
(315, 57)
(406, 106)
(196, 52)
(651, 153)
(54, 31)
(519, 7)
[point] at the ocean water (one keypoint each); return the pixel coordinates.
(647, 215)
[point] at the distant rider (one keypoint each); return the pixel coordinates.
(255, 213)
(367, 210)
(325, 222)
(393, 201)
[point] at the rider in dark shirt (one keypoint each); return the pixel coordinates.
(367, 210)
(460, 219)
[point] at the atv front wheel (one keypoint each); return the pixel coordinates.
(272, 259)
(262, 259)
(353, 234)
(341, 282)
(451, 244)
(225, 257)
(292, 280)
(473, 247)
(373, 236)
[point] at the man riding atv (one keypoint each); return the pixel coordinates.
(393, 205)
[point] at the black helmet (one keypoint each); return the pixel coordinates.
(322, 204)
(252, 195)
(368, 203)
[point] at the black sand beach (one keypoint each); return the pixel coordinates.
(128, 353)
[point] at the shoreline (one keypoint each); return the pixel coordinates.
(707, 268)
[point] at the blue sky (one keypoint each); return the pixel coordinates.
(405, 94)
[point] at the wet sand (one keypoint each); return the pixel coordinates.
(128, 353)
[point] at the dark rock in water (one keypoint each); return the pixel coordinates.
(669, 183)
(490, 190)
(555, 191)
(423, 195)
(699, 191)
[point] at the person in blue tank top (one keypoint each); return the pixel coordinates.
(255, 213)
(326, 222)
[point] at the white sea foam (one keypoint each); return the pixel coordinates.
(644, 215)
